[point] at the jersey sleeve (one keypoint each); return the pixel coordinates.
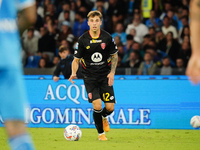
(57, 70)
(113, 47)
(79, 49)
(22, 4)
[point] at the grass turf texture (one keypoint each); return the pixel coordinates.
(118, 139)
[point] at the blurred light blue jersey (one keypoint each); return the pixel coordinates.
(9, 36)
(12, 91)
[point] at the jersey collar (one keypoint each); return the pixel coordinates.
(95, 37)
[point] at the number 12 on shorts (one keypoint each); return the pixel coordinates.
(106, 96)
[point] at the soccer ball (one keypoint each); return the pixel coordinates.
(195, 121)
(72, 133)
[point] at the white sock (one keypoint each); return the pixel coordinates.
(101, 133)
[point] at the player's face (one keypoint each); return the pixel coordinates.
(64, 54)
(94, 23)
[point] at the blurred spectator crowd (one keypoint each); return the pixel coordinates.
(150, 35)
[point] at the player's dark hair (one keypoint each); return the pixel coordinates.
(170, 32)
(185, 8)
(129, 37)
(94, 13)
(147, 36)
(66, 11)
(152, 28)
(31, 29)
(149, 47)
(136, 53)
(166, 57)
(166, 17)
(81, 14)
(101, 1)
(185, 17)
(63, 48)
(148, 53)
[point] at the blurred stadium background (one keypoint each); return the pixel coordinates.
(160, 98)
(159, 27)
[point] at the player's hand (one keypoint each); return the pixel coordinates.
(193, 69)
(56, 79)
(110, 77)
(71, 78)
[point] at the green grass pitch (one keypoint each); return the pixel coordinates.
(118, 139)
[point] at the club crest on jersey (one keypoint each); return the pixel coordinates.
(103, 45)
(90, 95)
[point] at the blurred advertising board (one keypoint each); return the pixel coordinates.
(147, 102)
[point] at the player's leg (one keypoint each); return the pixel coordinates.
(107, 95)
(18, 136)
(15, 128)
(97, 109)
(94, 98)
(12, 108)
(107, 110)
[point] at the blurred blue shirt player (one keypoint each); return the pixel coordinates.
(12, 91)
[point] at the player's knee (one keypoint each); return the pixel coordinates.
(110, 107)
(97, 106)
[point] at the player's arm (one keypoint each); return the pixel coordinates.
(26, 17)
(193, 68)
(114, 59)
(57, 73)
(195, 25)
(75, 65)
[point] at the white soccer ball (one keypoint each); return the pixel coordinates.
(195, 121)
(72, 133)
